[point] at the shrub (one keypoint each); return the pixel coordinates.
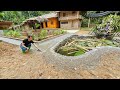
(42, 34)
(16, 34)
(56, 32)
(12, 33)
(84, 23)
(114, 25)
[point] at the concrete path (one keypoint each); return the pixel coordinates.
(12, 41)
(42, 45)
(50, 43)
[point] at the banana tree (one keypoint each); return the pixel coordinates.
(1, 15)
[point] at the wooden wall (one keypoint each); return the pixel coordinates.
(52, 23)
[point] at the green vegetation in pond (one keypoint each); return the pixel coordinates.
(79, 53)
(76, 46)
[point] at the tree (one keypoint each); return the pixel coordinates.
(114, 21)
(19, 16)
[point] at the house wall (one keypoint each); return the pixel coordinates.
(52, 23)
(72, 24)
(73, 19)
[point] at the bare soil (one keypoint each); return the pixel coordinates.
(16, 65)
(82, 32)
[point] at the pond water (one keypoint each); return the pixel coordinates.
(77, 45)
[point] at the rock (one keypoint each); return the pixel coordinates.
(75, 68)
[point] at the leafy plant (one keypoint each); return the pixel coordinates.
(56, 32)
(114, 26)
(16, 34)
(42, 34)
(12, 33)
(37, 25)
(79, 52)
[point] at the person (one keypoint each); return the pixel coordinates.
(107, 26)
(26, 44)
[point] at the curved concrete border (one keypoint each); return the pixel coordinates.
(88, 60)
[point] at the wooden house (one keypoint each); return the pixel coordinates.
(52, 20)
(30, 24)
(70, 19)
(5, 25)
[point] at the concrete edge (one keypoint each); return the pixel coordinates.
(33, 40)
(52, 50)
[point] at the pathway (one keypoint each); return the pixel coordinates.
(12, 41)
(44, 45)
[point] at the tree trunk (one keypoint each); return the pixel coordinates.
(89, 23)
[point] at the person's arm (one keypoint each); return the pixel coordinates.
(23, 44)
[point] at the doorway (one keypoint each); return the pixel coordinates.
(46, 24)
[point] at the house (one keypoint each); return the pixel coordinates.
(69, 19)
(5, 24)
(52, 20)
(30, 24)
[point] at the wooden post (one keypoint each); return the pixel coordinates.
(89, 23)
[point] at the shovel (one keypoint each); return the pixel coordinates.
(37, 48)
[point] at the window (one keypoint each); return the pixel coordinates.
(73, 12)
(64, 14)
(64, 22)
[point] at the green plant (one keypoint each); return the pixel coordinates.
(35, 37)
(42, 34)
(9, 33)
(12, 33)
(58, 32)
(16, 34)
(84, 23)
(62, 31)
(37, 25)
(114, 26)
(79, 52)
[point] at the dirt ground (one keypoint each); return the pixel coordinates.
(82, 32)
(16, 65)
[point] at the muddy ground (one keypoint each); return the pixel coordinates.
(16, 65)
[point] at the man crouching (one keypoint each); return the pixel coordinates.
(26, 44)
